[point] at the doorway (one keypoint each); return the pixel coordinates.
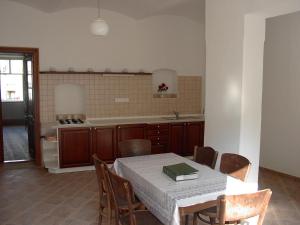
(20, 124)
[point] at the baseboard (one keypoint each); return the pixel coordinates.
(280, 173)
(13, 122)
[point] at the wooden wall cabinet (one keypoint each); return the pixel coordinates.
(75, 147)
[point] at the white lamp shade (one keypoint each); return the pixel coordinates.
(99, 27)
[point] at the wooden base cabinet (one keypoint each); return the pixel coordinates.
(158, 134)
(194, 135)
(130, 131)
(177, 138)
(75, 147)
(184, 137)
(104, 143)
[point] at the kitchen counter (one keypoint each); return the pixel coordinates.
(96, 122)
(101, 136)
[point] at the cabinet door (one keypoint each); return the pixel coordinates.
(74, 147)
(177, 138)
(132, 131)
(135, 131)
(104, 143)
(194, 135)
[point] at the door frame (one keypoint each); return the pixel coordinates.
(37, 124)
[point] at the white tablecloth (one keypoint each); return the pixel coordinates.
(162, 196)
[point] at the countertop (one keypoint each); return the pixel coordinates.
(98, 122)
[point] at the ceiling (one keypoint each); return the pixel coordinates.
(138, 9)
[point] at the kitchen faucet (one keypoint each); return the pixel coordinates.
(176, 114)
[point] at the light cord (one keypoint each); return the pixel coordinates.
(98, 5)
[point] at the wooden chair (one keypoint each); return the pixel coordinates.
(205, 156)
(236, 208)
(104, 198)
(134, 147)
(122, 195)
(235, 165)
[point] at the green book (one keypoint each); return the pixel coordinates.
(180, 171)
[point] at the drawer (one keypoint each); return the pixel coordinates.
(159, 138)
(157, 132)
(159, 142)
(158, 149)
(159, 126)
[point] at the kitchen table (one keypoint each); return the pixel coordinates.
(162, 195)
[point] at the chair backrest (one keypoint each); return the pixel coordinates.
(122, 196)
(134, 147)
(100, 167)
(240, 207)
(206, 156)
(235, 165)
(232, 208)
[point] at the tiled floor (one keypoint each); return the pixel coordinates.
(31, 196)
(15, 140)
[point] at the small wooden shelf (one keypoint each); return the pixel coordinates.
(158, 95)
(94, 72)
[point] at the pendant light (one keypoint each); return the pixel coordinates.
(99, 27)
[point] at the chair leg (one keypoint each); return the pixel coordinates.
(195, 222)
(186, 219)
(212, 220)
(100, 217)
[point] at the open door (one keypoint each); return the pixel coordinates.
(1, 130)
(29, 102)
(31, 98)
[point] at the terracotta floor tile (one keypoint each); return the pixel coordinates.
(32, 196)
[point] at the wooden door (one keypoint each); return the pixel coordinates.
(104, 143)
(177, 138)
(75, 147)
(29, 99)
(194, 135)
(35, 86)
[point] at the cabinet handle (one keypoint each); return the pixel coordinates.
(158, 132)
(157, 126)
(158, 138)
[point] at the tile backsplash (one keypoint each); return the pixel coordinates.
(101, 92)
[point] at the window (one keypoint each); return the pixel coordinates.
(11, 72)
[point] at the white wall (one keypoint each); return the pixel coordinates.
(281, 93)
(65, 41)
(234, 73)
(224, 68)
